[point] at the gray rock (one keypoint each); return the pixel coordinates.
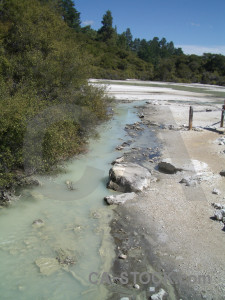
(166, 166)
(38, 223)
(122, 256)
(119, 199)
(128, 177)
(216, 191)
(188, 181)
(223, 212)
(119, 148)
(222, 173)
(136, 286)
(69, 185)
(118, 160)
(218, 215)
(159, 296)
(217, 205)
(66, 257)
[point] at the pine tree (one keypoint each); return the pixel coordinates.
(69, 13)
(106, 32)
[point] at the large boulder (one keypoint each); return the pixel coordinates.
(119, 199)
(128, 177)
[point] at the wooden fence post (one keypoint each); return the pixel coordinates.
(190, 117)
(222, 118)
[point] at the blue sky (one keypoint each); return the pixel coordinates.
(195, 25)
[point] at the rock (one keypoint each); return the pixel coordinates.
(217, 205)
(119, 148)
(38, 223)
(188, 181)
(136, 286)
(218, 215)
(122, 256)
(69, 185)
(128, 177)
(216, 191)
(66, 257)
(6, 197)
(159, 296)
(166, 166)
(128, 143)
(222, 173)
(119, 199)
(47, 266)
(118, 160)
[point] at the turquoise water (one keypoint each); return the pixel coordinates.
(75, 221)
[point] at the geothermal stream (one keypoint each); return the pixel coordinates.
(75, 222)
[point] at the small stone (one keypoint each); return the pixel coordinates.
(69, 185)
(119, 148)
(119, 199)
(136, 286)
(217, 205)
(222, 173)
(218, 215)
(159, 295)
(38, 223)
(122, 256)
(216, 191)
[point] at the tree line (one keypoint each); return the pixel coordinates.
(120, 56)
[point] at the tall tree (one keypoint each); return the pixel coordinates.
(129, 38)
(69, 13)
(107, 32)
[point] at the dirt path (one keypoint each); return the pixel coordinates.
(179, 237)
(186, 239)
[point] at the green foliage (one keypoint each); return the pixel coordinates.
(42, 65)
(69, 13)
(107, 33)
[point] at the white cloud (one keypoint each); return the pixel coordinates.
(195, 24)
(87, 22)
(199, 50)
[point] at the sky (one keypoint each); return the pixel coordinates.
(197, 26)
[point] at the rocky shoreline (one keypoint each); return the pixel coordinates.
(136, 246)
